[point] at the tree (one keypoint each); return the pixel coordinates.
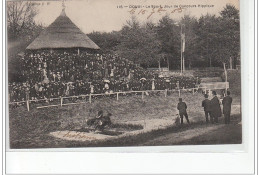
(152, 45)
(168, 34)
(22, 30)
(230, 12)
(106, 41)
(138, 43)
(230, 34)
(208, 33)
(20, 20)
(228, 40)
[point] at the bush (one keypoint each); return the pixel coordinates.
(234, 79)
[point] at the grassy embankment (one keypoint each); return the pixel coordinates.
(31, 129)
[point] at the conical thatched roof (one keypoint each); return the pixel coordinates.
(62, 33)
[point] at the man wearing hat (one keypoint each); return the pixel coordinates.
(182, 107)
(227, 101)
(206, 106)
(215, 110)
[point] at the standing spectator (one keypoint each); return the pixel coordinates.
(206, 106)
(215, 110)
(178, 85)
(227, 101)
(92, 89)
(153, 85)
(182, 107)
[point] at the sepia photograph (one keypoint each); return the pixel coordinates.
(116, 73)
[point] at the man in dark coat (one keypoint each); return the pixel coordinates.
(182, 110)
(206, 106)
(227, 101)
(215, 110)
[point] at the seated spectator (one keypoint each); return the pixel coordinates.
(60, 73)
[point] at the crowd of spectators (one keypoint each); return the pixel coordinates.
(55, 74)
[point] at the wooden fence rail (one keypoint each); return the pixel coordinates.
(27, 102)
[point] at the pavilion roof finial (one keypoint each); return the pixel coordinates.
(63, 8)
(63, 4)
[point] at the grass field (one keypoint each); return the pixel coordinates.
(32, 129)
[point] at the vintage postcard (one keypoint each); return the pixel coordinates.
(116, 73)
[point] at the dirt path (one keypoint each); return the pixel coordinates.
(204, 134)
(229, 134)
(174, 138)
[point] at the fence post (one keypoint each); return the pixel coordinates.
(117, 96)
(27, 99)
(165, 93)
(142, 95)
(89, 98)
(179, 92)
(61, 101)
(28, 106)
(226, 88)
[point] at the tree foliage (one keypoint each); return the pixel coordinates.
(169, 36)
(210, 40)
(22, 30)
(139, 43)
(106, 41)
(20, 19)
(229, 34)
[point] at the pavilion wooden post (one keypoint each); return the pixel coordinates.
(179, 92)
(117, 96)
(142, 95)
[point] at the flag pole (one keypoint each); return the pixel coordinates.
(181, 50)
(183, 62)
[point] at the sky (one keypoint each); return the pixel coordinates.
(107, 16)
